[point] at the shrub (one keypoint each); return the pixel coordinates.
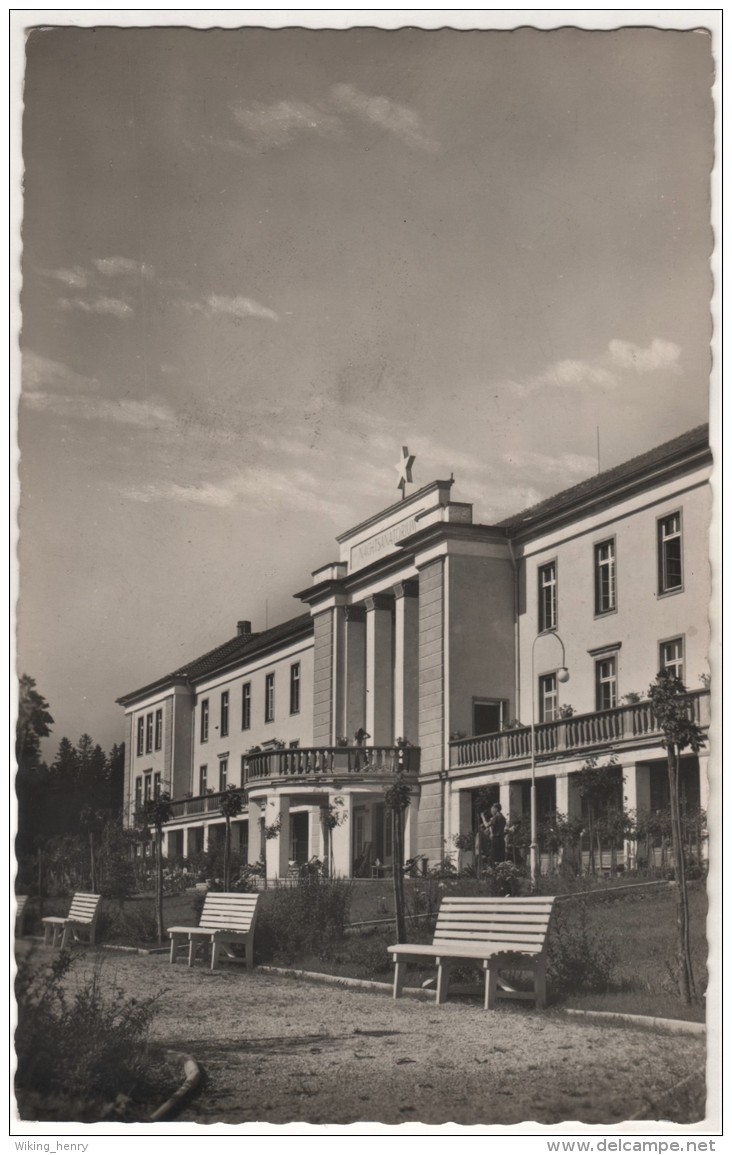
(86, 1050)
(580, 958)
(308, 918)
(128, 922)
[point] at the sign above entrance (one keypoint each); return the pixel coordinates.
(383, 542)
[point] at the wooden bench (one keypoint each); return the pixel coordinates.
(225, 919)
(82, 914)
(500, 933)
(20, 902)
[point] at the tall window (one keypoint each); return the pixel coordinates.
(670, 575)
(246, 706)
(140, 735)
(243, 770)
(295, 688)
(548, 596)
(202, 779)
(158, 729)
(149, 734)
(269, 698)
(606, 683)
(148, 787)
(223, 773)
(204, 720)
(605, 595)
(671, 655)
(157, 779)
(548, 698)
(138, 792)
(224, 713)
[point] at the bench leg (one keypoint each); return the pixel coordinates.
(67, 933)
(443, 982)
(173, 947)
(215, 951)
(191, 949)
(540, 986)
(491, 987)
(250, 953)
(399, 975)
(46, 935)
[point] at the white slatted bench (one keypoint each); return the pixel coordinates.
(500, 933)
(82, 915)
(225, 919)
(20, 902)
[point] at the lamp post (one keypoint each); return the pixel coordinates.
(562, 676)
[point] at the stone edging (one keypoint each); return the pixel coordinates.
(675, 1026)
(192, 1080)
(340, 981)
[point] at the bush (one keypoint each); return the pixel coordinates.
(579, 958)
(128, 922)
(85, 1052)
(306, 919)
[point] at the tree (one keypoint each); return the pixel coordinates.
(93, 821)
(672, 709)
(230, 806)
(115, 776)
(397, 799)
(599, 786)
(153, 814)
(33, 723)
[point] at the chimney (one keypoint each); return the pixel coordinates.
(243, 628)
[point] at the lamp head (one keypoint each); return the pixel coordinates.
(563, 674)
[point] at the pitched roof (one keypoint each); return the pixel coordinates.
(236, 649)
(594, 487)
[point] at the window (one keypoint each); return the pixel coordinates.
(204, 720)
(158, 729)
(548, 596)
(138, 792)
(672, 657)
(202, 779)
(243, 769)
(488, 716)
(246, 706)
(156, 784)
(224, 714)
(295, 688)
(669, 554)
(548, 699)
(140, 735)
(269, 698)
(605, 596)
(148, 787)
(223, 772)
(149, 734)
(606, 683)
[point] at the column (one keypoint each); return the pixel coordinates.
(185, 841)
(380, 670)
(341, 836)
(637, 799)
(568, 800)
(509, 795)
(255, 839)
(355, 662)
(406, 661)
(411, 828)
(205, 832)
(277, 850)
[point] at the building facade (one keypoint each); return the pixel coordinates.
(437, 645)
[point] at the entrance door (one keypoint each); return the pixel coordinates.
(299, 838)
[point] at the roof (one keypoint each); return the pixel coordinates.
(235, 650)
(668, 454)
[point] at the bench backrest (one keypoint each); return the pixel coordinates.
(20, 901)
(84, 907)
(521, 923)
(229, 911)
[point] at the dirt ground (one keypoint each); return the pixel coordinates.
(282, 1050)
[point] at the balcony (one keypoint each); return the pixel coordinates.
(312, 764)
(201, 804)
(623, 726)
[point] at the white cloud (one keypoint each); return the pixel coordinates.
(659, 355)
(75, 278)
(544, 464)
(90, 407)
(123, 267)
(395, 118)
(277, 125)
(41, 373)
(216, 305)
(105, 306)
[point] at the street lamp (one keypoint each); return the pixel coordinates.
(562, 676)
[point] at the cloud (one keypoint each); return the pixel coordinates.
(106, 306)
(75, 278)
(659, 355)
(216, 305)
(546, 465)
(278, 124)
(88, 407)
(395, 118)
(41, 373)
(123, 267)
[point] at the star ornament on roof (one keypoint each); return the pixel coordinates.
(404, 469)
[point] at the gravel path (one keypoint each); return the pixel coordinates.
(281, 1050)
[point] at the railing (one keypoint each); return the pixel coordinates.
(201, 804)
(580, 732)
(330, 761)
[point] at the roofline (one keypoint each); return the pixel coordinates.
(145, 691)
(302, 630)
(377, 517)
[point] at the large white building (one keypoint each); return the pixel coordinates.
(446, 633)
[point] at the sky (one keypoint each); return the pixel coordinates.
(258, 262)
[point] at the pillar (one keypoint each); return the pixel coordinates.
(205, 839)
(637, 800)
(277, 850)
(341, 836)
(510, 797)
(255, 839)
(355, 663)
(568, 800)
(380, 670)
(185, 841)
(406, 661)
(411, 828)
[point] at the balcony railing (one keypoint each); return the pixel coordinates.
(201, 804)
(623, 724)
(317, 762)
